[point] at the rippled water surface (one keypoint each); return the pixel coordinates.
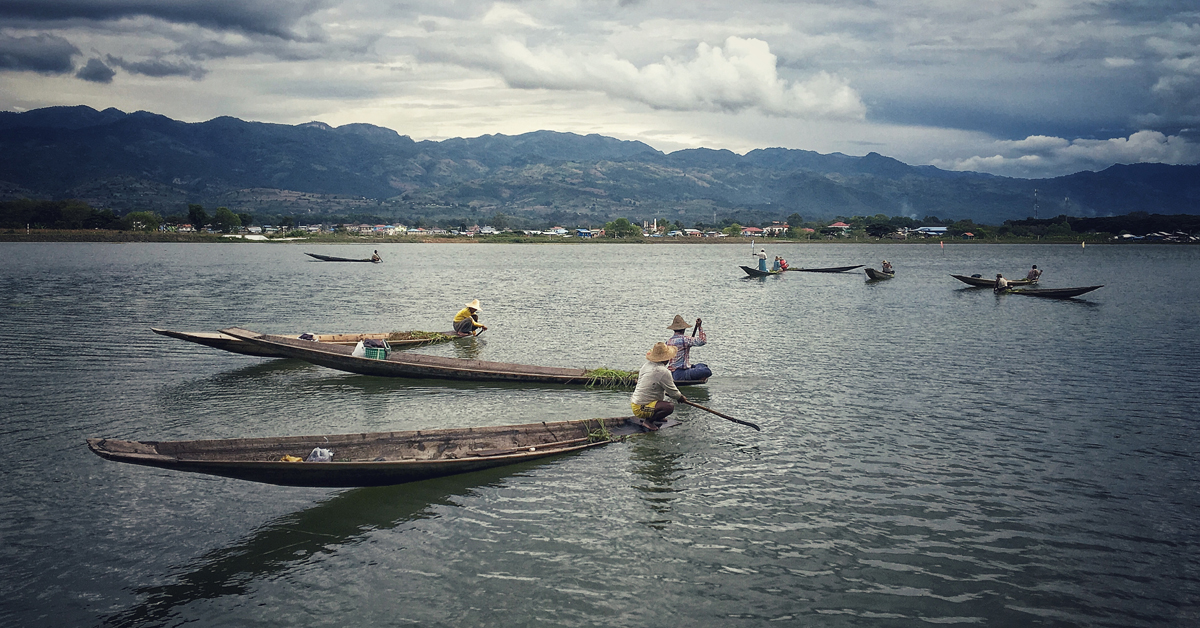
(930, 453)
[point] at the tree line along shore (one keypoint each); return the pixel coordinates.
(73, 221)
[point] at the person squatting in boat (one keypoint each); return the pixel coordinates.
(654, 384)
(467, 320)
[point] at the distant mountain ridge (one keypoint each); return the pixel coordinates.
(142, 160)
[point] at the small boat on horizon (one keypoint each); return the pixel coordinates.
(876, 275)
(832, 269)
(330, 258)
(754, 272)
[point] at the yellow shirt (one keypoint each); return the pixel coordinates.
(463, 315)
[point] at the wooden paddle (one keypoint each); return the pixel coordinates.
(723, 416)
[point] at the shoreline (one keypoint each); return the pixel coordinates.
(120, 237)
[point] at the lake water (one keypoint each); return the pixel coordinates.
(930, 453)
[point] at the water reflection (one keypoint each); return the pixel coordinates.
(281, 545)
(468, 348)
(660, 469)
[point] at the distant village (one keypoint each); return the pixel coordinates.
(777, 229)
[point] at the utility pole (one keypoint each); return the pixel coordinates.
(1035, 207)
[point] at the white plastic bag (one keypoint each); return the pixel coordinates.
(359, 350)
(320, 455)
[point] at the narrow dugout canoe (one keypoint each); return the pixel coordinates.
(984, 282)
(878, 274)
(831, 269)
(370, 459)
(218, 340)
(412, 365)
(754, 272)
(1054, 293)
(330, 258)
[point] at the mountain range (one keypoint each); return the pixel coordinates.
(145, 161)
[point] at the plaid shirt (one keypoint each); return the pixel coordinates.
(683, 347)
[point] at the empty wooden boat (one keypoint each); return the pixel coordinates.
(1053, 293)
(370, 459)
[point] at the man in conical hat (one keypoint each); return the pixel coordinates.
(653, 386)
(682, 370)
(466, 322)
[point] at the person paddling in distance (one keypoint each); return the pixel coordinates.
(375, 257)
(1034, 274)
(887, 268)
(654, 384)
(762, 259)
(680, 366)
(466, 322)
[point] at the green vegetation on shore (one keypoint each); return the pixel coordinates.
(71, 221)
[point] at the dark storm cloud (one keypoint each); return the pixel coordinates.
(267, 17)
(96, 72)
(44, 53)
(158, 68)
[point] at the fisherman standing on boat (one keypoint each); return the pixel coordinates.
(1034, 274)
(467, 320)
(653, 386)
(375, 258)
(762, 259)
(1001, 284)
(680, 367)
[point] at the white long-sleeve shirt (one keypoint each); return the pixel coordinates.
(654, 381)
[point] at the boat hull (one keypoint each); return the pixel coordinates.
(330, 258)
(1055, 293)
(225, 342)
(754, 272)
(403, 364)
(983, 282)
(832, 269)
(370, 459)
(877, 275)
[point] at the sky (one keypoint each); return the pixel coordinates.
(1029, 88)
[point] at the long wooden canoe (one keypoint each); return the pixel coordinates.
(370, 459)
(412, 365)
(330, 258)
(831, 269)
(218, 340)
(984, 282)
(754, 272)
(1054, 293)
(878, 274)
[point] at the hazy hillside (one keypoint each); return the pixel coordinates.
(146, 161)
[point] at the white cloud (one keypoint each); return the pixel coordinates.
(739, 76)
(1040, 156)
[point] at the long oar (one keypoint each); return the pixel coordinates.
(723, 416)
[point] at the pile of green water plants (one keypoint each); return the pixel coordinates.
(428, 336)
(611, 378)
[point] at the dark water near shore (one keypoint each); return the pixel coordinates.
(930, 453)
